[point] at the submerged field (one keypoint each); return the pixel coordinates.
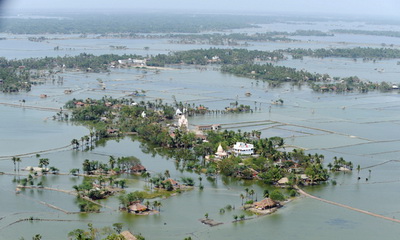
(363, 128)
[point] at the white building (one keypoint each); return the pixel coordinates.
(241, 148)
(183, 122)
(178, 112)
(221, 153)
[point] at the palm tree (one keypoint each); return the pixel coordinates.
(247, 192)
(37, 237)
(43, 162)
(330, 166)
(74, 171)
(86, 166)
(112, 162)
(54, 170)
(122, 183)
(251, 193)
(242, 197)
(82, 139)
(18, 160)
(75, 143)
(91, 137)
(111, 180)
(155, 204)
(101, 180)
(77, 188)
(166, 174)
(266, 193)
(14, 159)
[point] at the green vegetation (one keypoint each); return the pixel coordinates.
(340, 164)
(189, 151)
(16, 75)
(126, 23)
(119, 165)
(105, 233)
(351, 84)
(276, 195)
(367, 32)
(366, 53)
(86, 206)
(214, 55)
(272, 73)
(14, 79)
(85, 62)
(276, 75)
(232, 39)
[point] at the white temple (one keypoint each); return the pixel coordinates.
(220, 152)
(183, 122)
(178, 112)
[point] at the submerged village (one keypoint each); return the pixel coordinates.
(163, 133)
(207, 150)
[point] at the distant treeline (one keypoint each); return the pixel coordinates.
(218, 37)
(124, 23)
(145, 23)
(358, 52)
(16, 74)
(269, 72)
(367, 32)
(214, 55)
(82, 61)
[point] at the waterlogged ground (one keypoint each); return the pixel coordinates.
(362, 128)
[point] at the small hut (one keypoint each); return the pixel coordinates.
(138, 169)
(283, 181)
(266, 203)
(172, 181)
(128, 235)
(137, 207)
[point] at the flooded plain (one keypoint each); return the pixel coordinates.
(362, 128)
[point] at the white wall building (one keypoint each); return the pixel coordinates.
(241, 148)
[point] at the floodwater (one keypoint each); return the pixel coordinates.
(362, 128)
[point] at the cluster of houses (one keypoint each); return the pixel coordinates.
(240, 148)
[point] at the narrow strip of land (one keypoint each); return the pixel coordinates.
(67, 192)
(37, 152)
(33, 107)
(302, 192)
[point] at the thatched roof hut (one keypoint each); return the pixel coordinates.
(283, 181)
(138, 168)
(265, 204)
(128, 235)
(137, 207)
(172, 181)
